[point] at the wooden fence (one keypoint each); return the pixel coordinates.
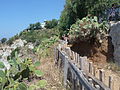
(79, 74)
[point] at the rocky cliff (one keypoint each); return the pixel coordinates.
(6, 50)
(115, 36)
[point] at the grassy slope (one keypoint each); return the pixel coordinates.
(52, 74)
(42, 37)
(35, 36)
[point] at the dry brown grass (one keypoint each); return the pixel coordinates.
(51, 72)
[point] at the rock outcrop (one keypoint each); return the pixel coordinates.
(115, 35)
(6, 51)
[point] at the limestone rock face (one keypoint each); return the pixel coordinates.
(115, 35)
(30, 46)
(6, 51)
(18, 43)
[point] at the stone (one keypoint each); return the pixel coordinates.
(6, 63)
(30, 46)
(115, 35)
(6, 51)
(18, 43)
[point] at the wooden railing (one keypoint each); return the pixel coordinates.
(78, 72)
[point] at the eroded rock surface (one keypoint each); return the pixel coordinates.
(6, 51)
(115, 35)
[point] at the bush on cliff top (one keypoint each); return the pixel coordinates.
(88, 29)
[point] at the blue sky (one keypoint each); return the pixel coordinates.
(16, 15)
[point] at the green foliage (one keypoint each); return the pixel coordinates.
(42, 83)
(24, 69)
(3, 40)
(2, 73)
(88, 28)
(16, 86)
(38, 85)
(51, 24)
(35, 36)
(68, 16)
(35, 26)
(20, 69)
(37, 63)
(38, 73)
(33, 87)
(42, 49)
(2, 65)
(77, 9)
(22, 86)
(10, 41)
(14, 52)
(38, 36)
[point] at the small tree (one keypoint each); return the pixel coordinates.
(51, 24)
(37, 26)
(77, 9)
(3, 40)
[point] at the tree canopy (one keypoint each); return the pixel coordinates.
(51, 23)
(77, 9)
(3, 40)
(35, 26)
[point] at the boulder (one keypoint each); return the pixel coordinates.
(30, 46)
(18, 43)
(115, 35)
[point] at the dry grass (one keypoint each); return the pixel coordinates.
(114, 67)
(51, 72)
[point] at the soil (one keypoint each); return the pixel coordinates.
(102, 57)
(99, 55)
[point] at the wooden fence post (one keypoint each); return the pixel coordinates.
(91, 68)
(101, 75)
(94, 70)
(77, 84)
(84, 64)
(78, 60)
(65, 70)
(59, 47)
(68, 51)
(111, 83)
(56, 56)
(72, 72)
(74, 56)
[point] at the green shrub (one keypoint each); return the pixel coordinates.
(88, 28)
(12, 79)
(51, 24)
(3, 40)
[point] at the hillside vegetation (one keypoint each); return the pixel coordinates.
(24, 73)
(86, 36)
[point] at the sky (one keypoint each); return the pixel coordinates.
(16, 15)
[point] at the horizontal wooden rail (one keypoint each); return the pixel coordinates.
(81, 77)
(78, 73)
(86, 80)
